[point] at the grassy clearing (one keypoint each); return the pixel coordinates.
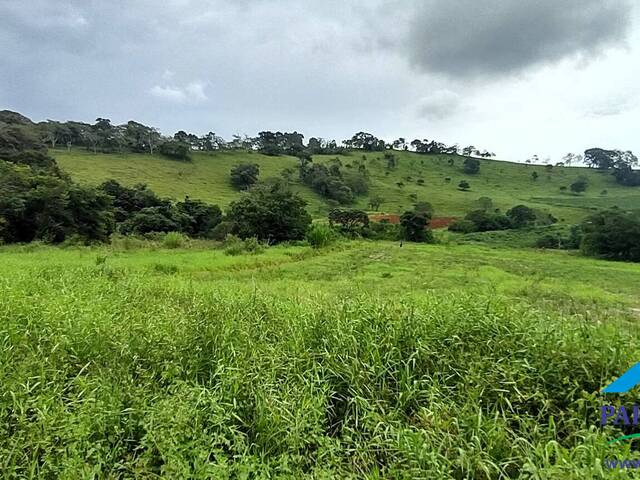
(367, 359)
(508, 184)
(516, 238)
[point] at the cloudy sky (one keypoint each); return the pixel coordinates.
(520, 78)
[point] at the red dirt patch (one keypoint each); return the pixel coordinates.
(436, 222)
(441, 222)
(395, 219)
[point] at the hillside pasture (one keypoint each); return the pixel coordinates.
(206, 177)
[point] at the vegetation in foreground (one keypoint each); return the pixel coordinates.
(364, 359)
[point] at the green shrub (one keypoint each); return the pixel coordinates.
(252, 245)
(222, 230)
(174, 240)
(382, 230)
(244, 175)
(462, 226)
(471, 166)
(320, 235)
(612, 234)
(521, 216)
(175, 150)
(234, 245)
(485, 222)
(271, 213)
(414, 227)
(549, 241)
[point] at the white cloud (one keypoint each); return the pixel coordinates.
(173, 94)
(192, 92)
(195, 91)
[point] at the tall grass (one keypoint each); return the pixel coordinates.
(320, 235)
(174, 240)
(119, 373)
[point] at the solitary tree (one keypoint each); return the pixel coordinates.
(175, 150)
(579, 186)
(349, 220)
(375, 202)
(244, 175)
(414, 226)
(271, 213)
(521, 216)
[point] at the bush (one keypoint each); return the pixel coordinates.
(154, 219)
(244, 175)
(612, 234)
(575, 238)
(222, 230)
(464, 186)
(252, 245)
(201, 218)
(462, 226)
(521, 216)
(382, 231)
(471, 166)
(350, 221)
(320, 235)
(175, 150)
(271, 213)
(485, 221)
(174, 240)
(579, 185)
(234, 245)
(415, 227)
(549, 241)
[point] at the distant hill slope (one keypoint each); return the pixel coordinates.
(506, 183)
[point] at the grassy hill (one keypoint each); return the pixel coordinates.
(507, 183)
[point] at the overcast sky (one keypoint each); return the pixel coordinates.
(517, 77)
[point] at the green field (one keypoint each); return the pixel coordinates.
(508, 184)
(362, 360)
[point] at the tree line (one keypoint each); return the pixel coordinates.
(17, 132)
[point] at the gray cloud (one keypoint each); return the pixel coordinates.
(440, 104)
(612, 106)
(324, 67)
(466, 38)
